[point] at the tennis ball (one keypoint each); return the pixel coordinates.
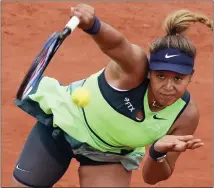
(80, 96)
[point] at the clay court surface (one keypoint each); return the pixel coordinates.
(26, 25)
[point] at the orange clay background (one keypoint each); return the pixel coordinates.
(25, 27)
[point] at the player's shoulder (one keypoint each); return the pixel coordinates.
(189, 119)
(191, 112)
(141, 60)
(140, 51)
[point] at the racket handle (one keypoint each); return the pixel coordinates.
(73, 23)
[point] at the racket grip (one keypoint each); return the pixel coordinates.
(73, 23)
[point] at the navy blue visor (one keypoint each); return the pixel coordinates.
(171, 59)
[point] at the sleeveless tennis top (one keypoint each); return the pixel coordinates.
(112, 115)
(109, 122)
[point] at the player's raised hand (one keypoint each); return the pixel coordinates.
(85, 13)
(177, 143)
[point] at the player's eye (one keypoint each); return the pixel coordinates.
(161, 76)
(178, 78)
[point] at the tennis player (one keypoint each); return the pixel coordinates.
(135, 102)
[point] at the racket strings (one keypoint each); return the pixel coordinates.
(41, 61)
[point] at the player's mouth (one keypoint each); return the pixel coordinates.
(168, 96)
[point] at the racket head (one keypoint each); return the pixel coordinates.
(39, 65)
(43, 58)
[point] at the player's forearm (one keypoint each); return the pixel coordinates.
(153, 171)
(109, 38)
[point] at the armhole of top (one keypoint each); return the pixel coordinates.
(186, 99)
(102, 79)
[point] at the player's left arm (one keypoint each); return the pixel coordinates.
(187, 123)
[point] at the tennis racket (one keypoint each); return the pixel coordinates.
(42, 60)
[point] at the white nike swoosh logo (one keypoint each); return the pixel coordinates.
(169, 56)
(17, 167)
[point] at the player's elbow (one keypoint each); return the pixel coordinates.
(150, 182)
(153, 181)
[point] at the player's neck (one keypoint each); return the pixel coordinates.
(154, 105)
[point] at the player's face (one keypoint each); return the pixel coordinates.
(167, 86)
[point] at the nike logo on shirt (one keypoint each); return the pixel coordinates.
(155, 117)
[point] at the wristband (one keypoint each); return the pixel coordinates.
(95, 27)
(155, 155)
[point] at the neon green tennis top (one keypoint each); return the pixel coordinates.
(100, 124)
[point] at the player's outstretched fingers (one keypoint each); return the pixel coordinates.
(194, 144)
(185, 138)
(197, 145)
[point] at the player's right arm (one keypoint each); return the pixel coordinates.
(129, 58)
